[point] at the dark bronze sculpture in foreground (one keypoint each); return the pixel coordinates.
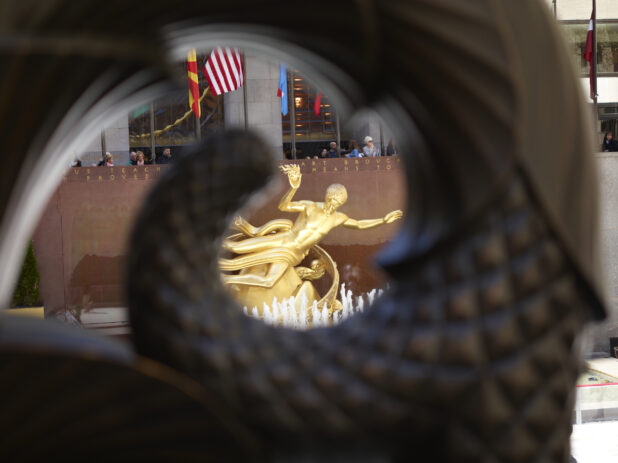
(471, 356)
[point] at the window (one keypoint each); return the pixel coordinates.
(169, 110)
(309, 127)
(607, 45)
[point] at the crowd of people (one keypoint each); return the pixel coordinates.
(368, 150)
(136, 158)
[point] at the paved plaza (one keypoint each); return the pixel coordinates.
(595, 442)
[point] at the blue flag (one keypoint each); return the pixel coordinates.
(282, 91)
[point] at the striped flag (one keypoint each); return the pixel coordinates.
(282, 90)
(194, 87)
(224, 71)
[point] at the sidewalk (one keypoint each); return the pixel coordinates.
(595, 442)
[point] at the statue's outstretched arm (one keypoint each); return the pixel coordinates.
(370, 223)
(294, 177)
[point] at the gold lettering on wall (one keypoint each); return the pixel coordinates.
(112, 177)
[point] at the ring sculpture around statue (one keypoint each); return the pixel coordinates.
(268, 259)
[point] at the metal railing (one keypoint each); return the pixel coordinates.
(602, 397)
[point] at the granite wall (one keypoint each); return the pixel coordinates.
(81, 240)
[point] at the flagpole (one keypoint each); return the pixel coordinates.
(198, 129)
(554, 8)
(244, 92)
(338, 134)
(292, 107)
(594, 58)
(152, 134)
(103, 145)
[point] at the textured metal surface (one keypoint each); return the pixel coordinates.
(472, 349)
(70, 396)
(494, 271)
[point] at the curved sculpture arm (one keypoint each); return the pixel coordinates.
(276, 225)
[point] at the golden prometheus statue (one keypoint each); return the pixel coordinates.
(268, 258)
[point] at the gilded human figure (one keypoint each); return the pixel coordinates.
(268, 252)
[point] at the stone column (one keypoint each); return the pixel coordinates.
(116, 142)
(264, 107)
(368, 124)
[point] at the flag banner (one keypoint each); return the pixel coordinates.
(589, 53)
(194, 87)
(318, 104)
(223, 70)
(282, 91)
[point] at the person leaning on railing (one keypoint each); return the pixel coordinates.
(370, 150)
(609, 143)
(353, 150)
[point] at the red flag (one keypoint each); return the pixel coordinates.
(589, 53)
(194, 87)
(318, 103)
(224, 71)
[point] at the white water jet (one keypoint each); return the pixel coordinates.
(325, 315)
(284, 313)
(371, 296)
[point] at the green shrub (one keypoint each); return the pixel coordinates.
(27, 290)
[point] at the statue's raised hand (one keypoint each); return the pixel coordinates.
(392, 216)
(293, 173)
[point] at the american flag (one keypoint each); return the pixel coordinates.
(223, 70)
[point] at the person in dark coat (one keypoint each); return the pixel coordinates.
(332, 152)
(609, 143)
(166, 157)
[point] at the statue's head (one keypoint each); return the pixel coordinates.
(336, 195)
